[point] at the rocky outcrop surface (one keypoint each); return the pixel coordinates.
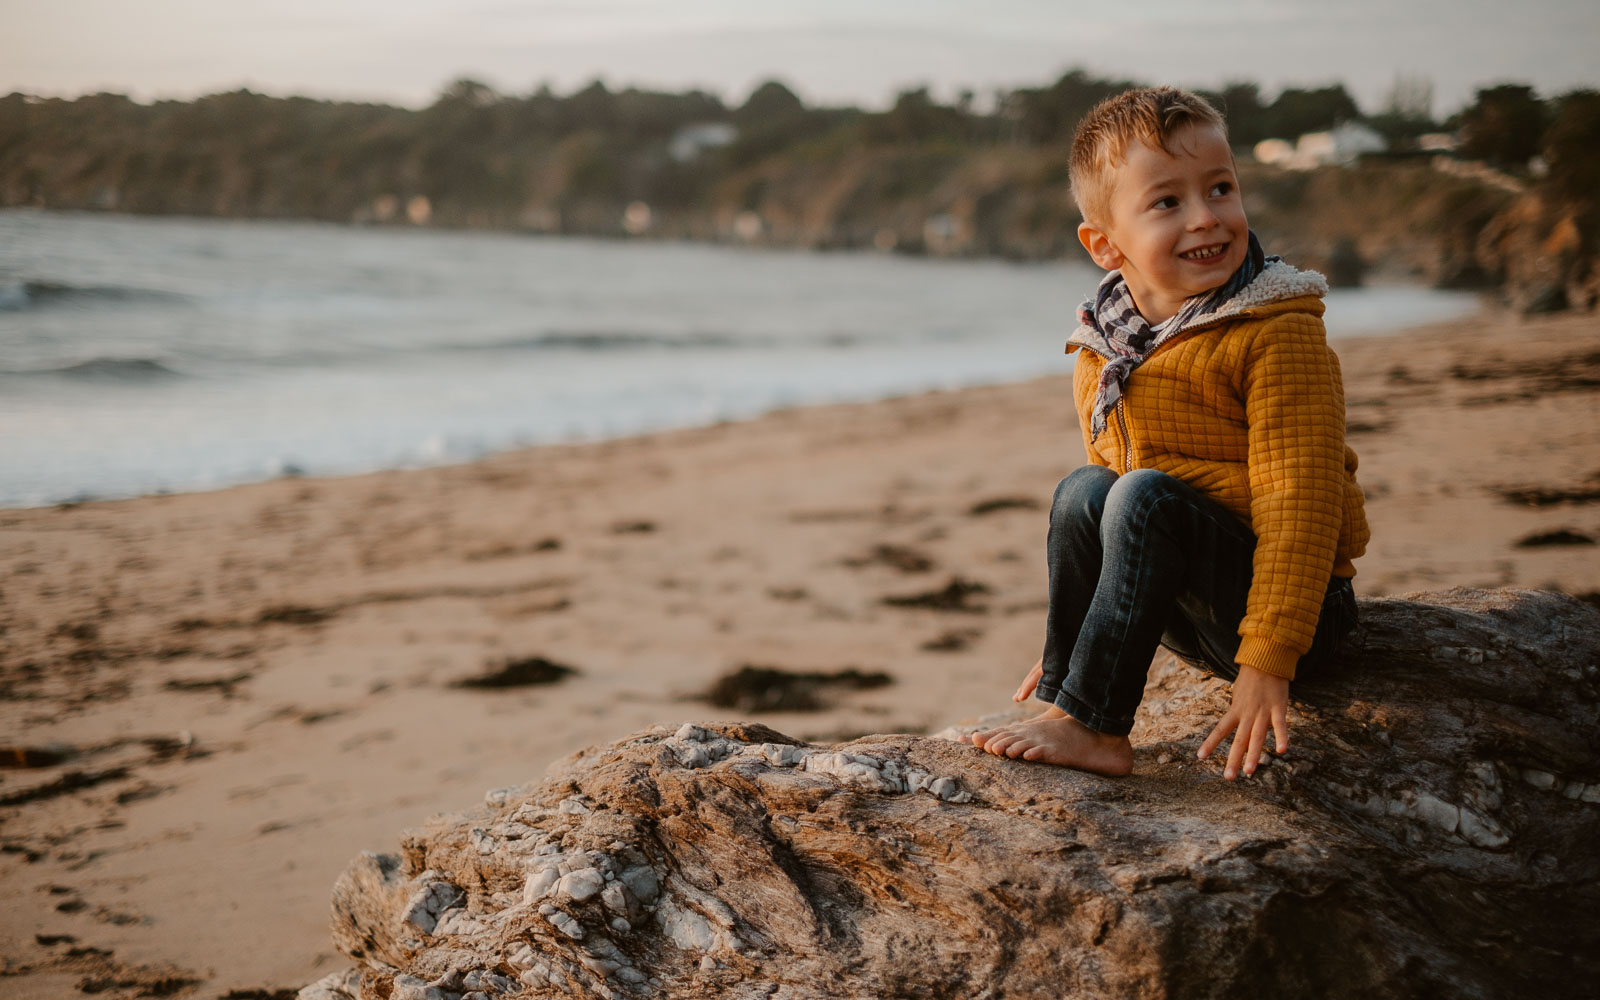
(1430, 833)
(1545, 254)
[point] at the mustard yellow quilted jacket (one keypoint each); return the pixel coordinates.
(1247, 406)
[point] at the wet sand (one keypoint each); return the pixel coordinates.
(212, 701)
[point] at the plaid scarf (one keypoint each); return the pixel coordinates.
(1112, 312)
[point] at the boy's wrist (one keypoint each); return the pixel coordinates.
(1267, 656)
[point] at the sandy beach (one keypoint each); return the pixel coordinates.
(211, 702)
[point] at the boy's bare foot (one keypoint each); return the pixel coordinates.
(1054, 737)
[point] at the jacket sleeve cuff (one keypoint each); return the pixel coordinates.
(1267, 656)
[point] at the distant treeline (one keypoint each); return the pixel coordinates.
(947, 177)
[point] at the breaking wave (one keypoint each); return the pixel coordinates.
(20, 296)
(105, 370)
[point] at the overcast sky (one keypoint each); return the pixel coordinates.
(830, 51)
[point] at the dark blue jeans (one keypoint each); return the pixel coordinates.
(1141, 560)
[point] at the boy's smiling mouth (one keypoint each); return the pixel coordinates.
(1206, 252)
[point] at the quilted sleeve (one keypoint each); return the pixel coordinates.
(1294, 406)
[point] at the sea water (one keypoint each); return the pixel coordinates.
(143, 355)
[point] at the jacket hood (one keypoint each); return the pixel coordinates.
(1280, 287)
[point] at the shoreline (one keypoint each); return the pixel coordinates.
(253, 684)
(96, 408)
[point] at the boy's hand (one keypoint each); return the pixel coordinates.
(1030, 682)
(1260, 700)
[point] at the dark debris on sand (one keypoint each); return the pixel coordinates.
(1575, 372)
(294, 614)
(952, 641)
(34, 756)
(523, 672)
(953, 596)
(1002, 503)
(773, 689)
(900, 557)
(1550, 539)
(1537, 496)
(221, 685)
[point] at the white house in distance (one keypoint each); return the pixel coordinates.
(691, 140)
(1341, 145)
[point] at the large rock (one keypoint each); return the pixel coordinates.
(1431, 833)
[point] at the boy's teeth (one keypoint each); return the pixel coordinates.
(1204, 252)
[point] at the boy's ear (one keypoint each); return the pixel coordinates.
(1098, 243)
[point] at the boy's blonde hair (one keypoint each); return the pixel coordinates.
(1100, 143)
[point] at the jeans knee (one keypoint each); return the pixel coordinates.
(1081, 495)
(1136, 493)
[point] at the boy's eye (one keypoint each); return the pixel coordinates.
(1168, 202)
(1222, 188)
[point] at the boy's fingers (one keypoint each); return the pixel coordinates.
(1280, 728)
(1258, 739)
(1217, 732)
(1235, 754)
(1029, 683)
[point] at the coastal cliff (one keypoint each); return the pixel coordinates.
(921, 178)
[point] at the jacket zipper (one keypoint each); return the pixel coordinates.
(1122, 423)
(1127, 439)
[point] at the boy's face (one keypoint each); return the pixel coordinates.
(1177, 225)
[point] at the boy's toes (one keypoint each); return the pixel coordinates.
(998, 745)
(982, 738)
(1018, 747)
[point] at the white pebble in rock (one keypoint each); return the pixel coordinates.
(690, 733)
(781, 755)
(620, 925)
(949, 790)
(422, 911)
(641, 881)
(411, 988)
(1431, 809)
(539, 884)
(615, 896)
(566, 924)
(581, 884)
(692, 756)
(521, 955)
(1542, 780)
(1482, 831)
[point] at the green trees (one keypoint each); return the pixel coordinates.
(483, 157)
(1503, 126)
(1571, 146)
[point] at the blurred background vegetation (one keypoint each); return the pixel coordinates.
(919, 177)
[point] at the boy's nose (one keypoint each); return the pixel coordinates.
(1201, 216)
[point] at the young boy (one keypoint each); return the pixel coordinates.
(1220, 513)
